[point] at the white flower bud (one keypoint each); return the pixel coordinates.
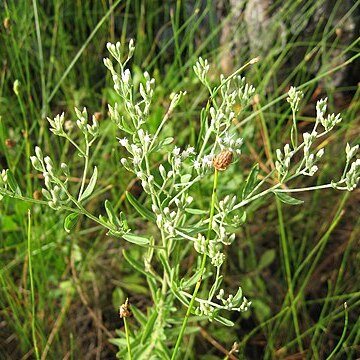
(126, 76)
(320, 153)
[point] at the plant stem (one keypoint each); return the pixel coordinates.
(294, 133)
(202, 269)
(127, 337)
(288, 276)
(33, 315)
(338, 345)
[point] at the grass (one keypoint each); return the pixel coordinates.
(60, 293)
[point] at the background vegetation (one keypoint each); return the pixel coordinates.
(55, 49)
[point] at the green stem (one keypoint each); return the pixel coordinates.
(127, 338)
(82, 49)
(27, 144)
(289, 279)
(294, 132)
(235, 73)
(41, 62)
(68, 138)
(33, 315)
(201, 272)
(310, 188)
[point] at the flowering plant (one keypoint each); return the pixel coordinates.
(182, 226)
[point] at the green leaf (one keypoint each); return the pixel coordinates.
(184, 179)
(141, 209)
(90, 188)
(238, 297)
(165, 264)
(137, 265)
(163, 143)
(12, 183)
(124, 126)
(162, 353)
(118, 297)
(139, 315)
(136, 239)
(183, 299)
(287, 199)
(149, 327)
(70, 222)
(166, 141)
(224, 321)
(196, 211)
(124, 222)
(204, 126)
(8, 223)
(250, 182)
(111, 214)
(215, 287)
(266, 259)
(186, 284)
(103, 220)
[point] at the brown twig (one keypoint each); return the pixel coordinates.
(216, 344)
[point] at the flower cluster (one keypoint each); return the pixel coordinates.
(55, 191)
(353, 175)
(310, 159)
(236, 302)
(282, 163)
(168, 175)
(308, 166)
(201, 68)
(294, 97)
(245, 91)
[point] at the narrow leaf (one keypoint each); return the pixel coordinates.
(266, 259)
(141, 209)
(224, 321)
(111, 214)
(238, 297)
(70, 222)
(136, 239)
(190, 282)
(165, 264)
(165, 142)
(287, 199)
(149, 327)
(196, 211)
(12, 183)
(139, 315)
(215, 287)
(124, 126)
(90, 188)
(250, 182)
(137, 265)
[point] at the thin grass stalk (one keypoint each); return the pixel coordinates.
(202, 268)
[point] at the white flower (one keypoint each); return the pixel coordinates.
(189, 151)
(176, 151)
(136, 150)
(124, 141)
(206, 161)
(126, 76)
(197, 165)
(136, 160)
(239, 142)
(177, 162)
(147, 138)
